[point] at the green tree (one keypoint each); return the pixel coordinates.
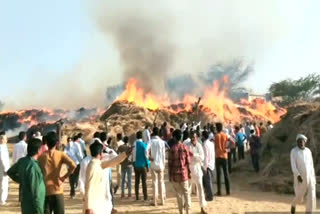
(304, 88)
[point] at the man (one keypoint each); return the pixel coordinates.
(304, 176)
(51, 163)
(4, 166)
(82, 144)
(255, 145)
(195, 167)
(74, 151)
(118, 168)
(179, 172)
(20, 148)
(141, 166)
(262, 129)
(208, 166)
(240, 141)
(95, 200)
(231, 147)
(221, 158)
(28, 174)
(146, 134)
(165, 132)
(157, 153)
(126, 168)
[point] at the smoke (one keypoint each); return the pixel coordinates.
(177, 44)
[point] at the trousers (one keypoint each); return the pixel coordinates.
(158, 186)
(183, 196)
(222, 163)
(197, 181)
(208, 184)
(141, 173)
(126, 172)
(54, 204)
(241, 152)
(73, 180)
(4, 188)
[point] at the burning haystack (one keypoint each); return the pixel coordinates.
(302, 118)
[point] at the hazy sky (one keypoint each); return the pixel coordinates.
(57, 44)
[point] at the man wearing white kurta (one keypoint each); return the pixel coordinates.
(20, 148)
(157, 151)
(4, 166)
(96, 200)
(195, 167)
(304, 176)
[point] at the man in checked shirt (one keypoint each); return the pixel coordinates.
(179, 172)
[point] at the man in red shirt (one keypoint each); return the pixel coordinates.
(179, 172)
(221, 158)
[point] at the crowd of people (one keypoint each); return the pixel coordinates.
(196, 155)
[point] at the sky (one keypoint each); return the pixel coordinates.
(56, 47)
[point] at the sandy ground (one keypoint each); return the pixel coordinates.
(244, 198)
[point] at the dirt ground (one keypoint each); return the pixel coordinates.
(244, 198)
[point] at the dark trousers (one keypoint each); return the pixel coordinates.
(222, 163)
(255, 162)
(229, 162)
(54, 204)
(141, 173)
(73, 179)
(234, 155)
(241, 152)
(112, 192)
(208, 184)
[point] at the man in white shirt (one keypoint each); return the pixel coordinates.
(20, 148)
(74, 151)
(304, 175)
(208, 165)
(4, 166)
(82, 145)
(195, 168)
(146, 135)
(157, 151)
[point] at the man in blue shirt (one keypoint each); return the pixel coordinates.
(141, 166)
(240, 138)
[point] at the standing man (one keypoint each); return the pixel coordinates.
(221, 158)
(195, 167)
(74, 151)
(83, 145)
(51, 163)
(157, 154)
(95, 200)
(180, 173)
(304, 176)
(126, 168)
(20, 148)
(141, 166)
(146, 134)
(4, 166)
(28, 174)
(118, 168)
(255, 145)
(240, 141)
(208, 166)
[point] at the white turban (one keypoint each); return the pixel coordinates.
(96, 139)
(301, 136)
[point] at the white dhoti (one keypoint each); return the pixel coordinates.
(305, 191)
(197, 181)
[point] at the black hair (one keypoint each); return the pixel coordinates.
(205, 135)
(185, 135)
(237, 128)
(44, 140)
(119, 136)
(219, 127)
(68, 139)
(52, 139)
(109, 140)
(96, 135)
(139, 135)
(103, 136)
(80, 135)
(177, 135)
(96, 148)
(75, 138)
(155, 131)
(251, 131)
(22, 135)
(33, 147)
(126, 139)
(2, 133)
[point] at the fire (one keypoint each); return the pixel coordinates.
(214, 100)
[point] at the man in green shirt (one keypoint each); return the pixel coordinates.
(28, 174)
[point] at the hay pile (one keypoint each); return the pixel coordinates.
(277, 144)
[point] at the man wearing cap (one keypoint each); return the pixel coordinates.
(304, 176)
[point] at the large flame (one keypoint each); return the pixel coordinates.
(214, 100)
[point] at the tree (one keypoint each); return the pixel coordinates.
(305, 88)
